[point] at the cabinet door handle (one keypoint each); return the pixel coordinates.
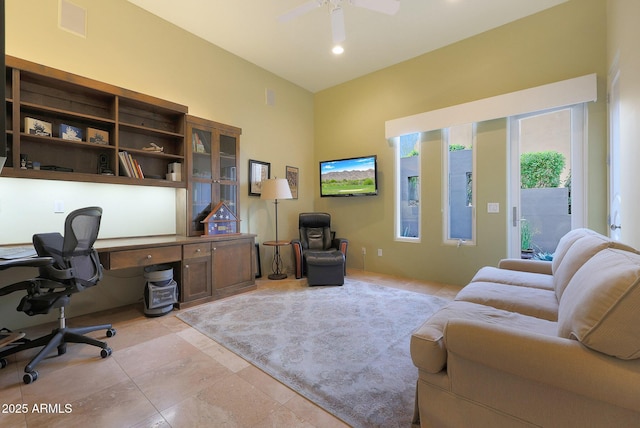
(186, 266)
(214, 248)
(197, 250)
(149, 256)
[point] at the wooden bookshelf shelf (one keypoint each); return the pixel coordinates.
(130, 120)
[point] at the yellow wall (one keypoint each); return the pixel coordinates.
(129, 47)
(560, 43)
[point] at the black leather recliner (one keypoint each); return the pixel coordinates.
(67, 265)
(318, 254)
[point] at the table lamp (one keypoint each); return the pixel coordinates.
(274, 189)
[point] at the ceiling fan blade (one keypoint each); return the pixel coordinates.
(301, 10)
(390, 7)
(337, 25)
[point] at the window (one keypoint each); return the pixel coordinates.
(408, 188)
(547, 193)
(458, 193)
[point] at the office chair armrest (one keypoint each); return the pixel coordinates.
(27, 261)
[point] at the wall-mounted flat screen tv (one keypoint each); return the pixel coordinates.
(349, 177)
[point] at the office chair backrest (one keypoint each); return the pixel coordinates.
(76, 261)
(315, 230)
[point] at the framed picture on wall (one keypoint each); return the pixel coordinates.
(292, 177)
(258, 171)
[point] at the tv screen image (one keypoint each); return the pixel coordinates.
(349, 177)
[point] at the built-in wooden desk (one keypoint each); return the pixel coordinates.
(208, 267)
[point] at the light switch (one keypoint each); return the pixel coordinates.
(493, 207)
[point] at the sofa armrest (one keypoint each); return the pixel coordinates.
(561, 363)
(534, 266)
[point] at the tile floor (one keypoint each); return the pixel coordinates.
(162, 373)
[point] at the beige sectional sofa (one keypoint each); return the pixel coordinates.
(532, 343)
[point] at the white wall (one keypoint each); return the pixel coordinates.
(623, 35)
(27, 207)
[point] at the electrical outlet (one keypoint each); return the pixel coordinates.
(379, 252)
(364, 250)
(493, 207)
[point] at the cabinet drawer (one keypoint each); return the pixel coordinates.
(144, 257)
(191, 251)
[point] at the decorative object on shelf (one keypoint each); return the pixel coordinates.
(274, 189)
(292, 179)
(103, 165)
(68, 132)
(23, 161)
(37, 127)
(174, 171)
(221, 221)
(258, 173)
(198, 143)
(97, 136)
(153, 147)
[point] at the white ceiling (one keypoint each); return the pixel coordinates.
(300, 50)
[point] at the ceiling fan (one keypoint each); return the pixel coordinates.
(389, 7)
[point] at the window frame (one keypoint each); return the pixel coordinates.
(398, 191)
(446, 218)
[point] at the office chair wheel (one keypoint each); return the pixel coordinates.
(30, 377)
(3, 363)
(111, 332)
(105, 352)
(62, 349)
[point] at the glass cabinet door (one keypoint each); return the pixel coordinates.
(200, 205)
(201, 149)
(228, 181)
(213, 170)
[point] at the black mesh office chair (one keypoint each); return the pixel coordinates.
(67, 265)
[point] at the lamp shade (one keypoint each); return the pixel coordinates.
(276, 188)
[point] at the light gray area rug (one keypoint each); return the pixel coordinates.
(344, 348)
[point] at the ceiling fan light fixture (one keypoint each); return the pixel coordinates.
(337, 50)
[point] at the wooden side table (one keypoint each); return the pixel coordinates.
(276, 264)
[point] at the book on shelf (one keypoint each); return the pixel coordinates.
(130, 166)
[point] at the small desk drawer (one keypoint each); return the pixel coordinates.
(192, 251)
(144, 257)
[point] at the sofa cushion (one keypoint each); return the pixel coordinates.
(601, 305)
(530, 301)
(428, 350)
(514, 277)
(567, 240)
(582, 250)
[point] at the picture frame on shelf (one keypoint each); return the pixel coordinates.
(258, 171)
(68, 132)
(292, 174)
(38, 127)
(97, 136)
